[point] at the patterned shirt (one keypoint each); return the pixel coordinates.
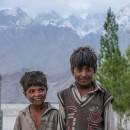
(108, 112)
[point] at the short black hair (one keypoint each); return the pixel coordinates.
(33, 78)
(83, 56)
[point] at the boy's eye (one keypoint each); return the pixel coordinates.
(88, 70)
(79, 69)
(31, 91)
(42, 89)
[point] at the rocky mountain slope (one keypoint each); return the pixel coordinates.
(45, 43)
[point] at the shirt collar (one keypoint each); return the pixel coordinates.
(96, 87)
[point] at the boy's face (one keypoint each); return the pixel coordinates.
(83, 76)
(36, 94)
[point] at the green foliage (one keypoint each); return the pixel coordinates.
(128, 53)
(113, 68)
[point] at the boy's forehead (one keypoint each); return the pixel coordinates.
(84, 66)
(36, 86)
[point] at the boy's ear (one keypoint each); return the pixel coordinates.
(24, 93)
(72, 71)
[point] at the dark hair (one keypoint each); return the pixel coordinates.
(83, 56)
(33, 78)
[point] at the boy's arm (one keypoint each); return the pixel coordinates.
(109, 117)
(16, 125)
(62, 114)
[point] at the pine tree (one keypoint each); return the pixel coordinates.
(113, 67)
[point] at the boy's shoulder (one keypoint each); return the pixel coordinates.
(103, 89)
(64, 94)
(66, 90)
(52, 107)
(107, 96)
(22, 113)
(25, 110)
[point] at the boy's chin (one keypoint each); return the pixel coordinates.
(38, 103)
(85, 85)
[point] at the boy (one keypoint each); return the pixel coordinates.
(85, 105)
(39, 115)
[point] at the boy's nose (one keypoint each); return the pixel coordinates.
(84, 73)
(36, 93)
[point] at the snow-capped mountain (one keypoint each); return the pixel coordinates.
(34, 47)
(90, 27)
(82, 25)
(48, 18)
(15, 17)
(90, 23)
(45, 43)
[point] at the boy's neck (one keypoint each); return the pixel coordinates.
(38, 107)
(83, 90)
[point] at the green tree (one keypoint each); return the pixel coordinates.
(128, 53)
(127, 116)
(113, 67)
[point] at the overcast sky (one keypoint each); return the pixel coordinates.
(64, 7)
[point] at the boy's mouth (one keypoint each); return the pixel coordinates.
(38, 99)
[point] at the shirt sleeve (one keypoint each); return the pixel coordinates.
(16, 125)
(109, 117)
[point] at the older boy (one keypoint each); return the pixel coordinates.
(85, 105)
(39, 115)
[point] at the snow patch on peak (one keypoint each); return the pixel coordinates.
(14, 12)
(123, 18)
(24, 21)
(83, 16)
(10, 12)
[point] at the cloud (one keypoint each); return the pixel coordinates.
(64, 7)
(78, 5)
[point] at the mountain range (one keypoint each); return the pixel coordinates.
(45, 43)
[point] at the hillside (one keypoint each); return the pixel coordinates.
(45, 43)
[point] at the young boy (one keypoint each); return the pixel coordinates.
(85, 105)
(39, 115)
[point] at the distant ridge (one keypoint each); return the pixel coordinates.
(45, 43)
